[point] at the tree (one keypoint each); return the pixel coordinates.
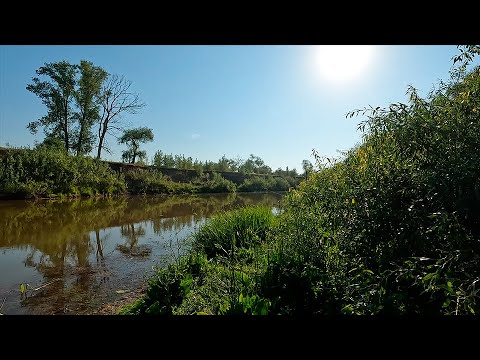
(254, 164)
(116, 100)
(133, 138)
(57, 94)
(87, 101)
(307, 167)
(223, 164)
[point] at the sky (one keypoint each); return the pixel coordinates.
(277, 102)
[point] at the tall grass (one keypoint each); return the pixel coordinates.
(242, 228)
(219, 273)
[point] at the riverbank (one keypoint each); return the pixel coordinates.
(113, 308)
(47, 173)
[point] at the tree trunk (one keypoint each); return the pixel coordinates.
(80, 138)
(65, 124)
(99, 151)
(102, 138)
(135, 151)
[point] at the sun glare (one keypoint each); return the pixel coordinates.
(342, 63)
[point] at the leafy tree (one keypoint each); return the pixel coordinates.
(286, 172)
(116, 99)
(86, 98)
(133, 138)
(307, 167)
(254, 164)
(209, 165)
(163, 160)
(158, 158)
(248, 166)
(223, 164)
(57, 93)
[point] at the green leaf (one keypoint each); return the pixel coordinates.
(121, 291)
(428, 277)
(353, 201)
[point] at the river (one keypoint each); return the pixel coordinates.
(73, 256)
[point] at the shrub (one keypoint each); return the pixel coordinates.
(215, 184)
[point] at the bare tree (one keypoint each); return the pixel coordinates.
(116, 99)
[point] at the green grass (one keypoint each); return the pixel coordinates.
(241, 228)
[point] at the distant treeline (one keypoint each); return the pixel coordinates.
(253, 165)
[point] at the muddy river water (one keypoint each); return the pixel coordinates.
(73, 256)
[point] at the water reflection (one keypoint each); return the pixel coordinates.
(132, 235)
(78, 254)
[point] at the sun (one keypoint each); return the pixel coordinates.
(342, 63)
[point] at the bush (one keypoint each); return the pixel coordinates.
(402, 207)
(215, 184)
(151, 181)
(256, 183)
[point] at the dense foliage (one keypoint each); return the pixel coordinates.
(392, 228)
(48, 172)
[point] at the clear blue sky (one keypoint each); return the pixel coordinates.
(277, 102)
